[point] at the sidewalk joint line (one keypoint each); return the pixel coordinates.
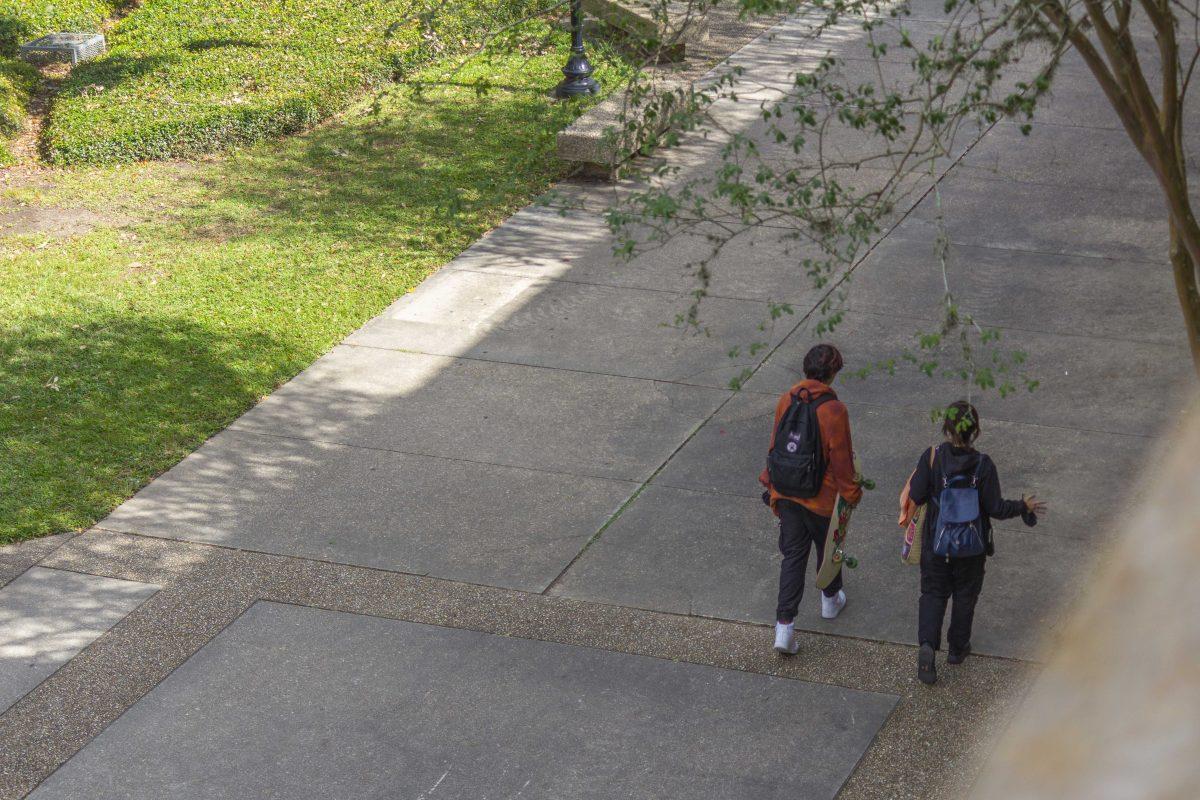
(418, 454)
(576, 370)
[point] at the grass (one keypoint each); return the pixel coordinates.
(124, 349)
(189, 77)
(17, 81)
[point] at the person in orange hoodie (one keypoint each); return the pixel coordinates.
(804, 520)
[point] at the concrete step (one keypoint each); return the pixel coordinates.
(668, 26)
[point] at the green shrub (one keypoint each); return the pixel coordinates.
(17, 81)
(22, 20)
(188, 77)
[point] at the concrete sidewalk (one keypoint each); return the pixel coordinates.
(522, 450)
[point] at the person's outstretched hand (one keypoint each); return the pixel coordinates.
(1033, 505)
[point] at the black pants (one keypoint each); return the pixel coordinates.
(941, 580)
(799, 529)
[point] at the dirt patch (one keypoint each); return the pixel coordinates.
(222, 232)
(51, 221)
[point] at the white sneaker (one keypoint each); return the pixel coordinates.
(785, 639)
(832, 606)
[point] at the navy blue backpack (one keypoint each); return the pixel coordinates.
(958, 532)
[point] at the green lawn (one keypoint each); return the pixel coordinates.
(123, 349)
(188, 77)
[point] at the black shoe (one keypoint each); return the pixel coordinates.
(926, 671)
(958, 656)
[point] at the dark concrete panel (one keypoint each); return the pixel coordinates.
(304, 703)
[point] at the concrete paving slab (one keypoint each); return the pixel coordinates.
(1050, 154)
(539, 241)
(47, 616)
(375, 508)
(1087, 383)
(716, 555)
(726, 455)
(590, 328)
(842, 147)
(1056, 218)
(897, 76)
(544, 419)
(1107, 298)
(305, 703)
(1076, 99)
(761, 264)
(891, 195)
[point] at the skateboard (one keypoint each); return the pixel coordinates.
(835, 556)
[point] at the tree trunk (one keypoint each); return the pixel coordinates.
(1187, 285)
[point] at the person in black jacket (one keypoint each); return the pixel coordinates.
(958, 578)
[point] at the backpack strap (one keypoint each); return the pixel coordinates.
(978, 473)
(814, 402)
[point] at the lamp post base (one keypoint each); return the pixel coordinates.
(576, 87)
(577, 80)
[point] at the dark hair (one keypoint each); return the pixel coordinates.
(961, 425)
(822, 363)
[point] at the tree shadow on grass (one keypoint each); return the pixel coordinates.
(419, 172)
(94, 404)
(13, 33)
(199, 45)
(111, 71)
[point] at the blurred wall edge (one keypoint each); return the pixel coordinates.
(1116, 713)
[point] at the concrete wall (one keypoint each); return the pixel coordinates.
(1116, 714)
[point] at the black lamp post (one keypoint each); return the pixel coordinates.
(578, 71)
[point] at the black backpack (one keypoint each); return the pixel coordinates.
(796, 463)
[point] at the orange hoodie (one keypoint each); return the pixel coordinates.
(834, 421)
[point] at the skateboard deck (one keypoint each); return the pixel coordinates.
(835, 556)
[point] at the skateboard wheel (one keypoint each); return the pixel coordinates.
(851, 562)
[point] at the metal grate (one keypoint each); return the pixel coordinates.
(69, 47)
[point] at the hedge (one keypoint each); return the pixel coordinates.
(187, 77)
(17, 81)
(22, 20)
